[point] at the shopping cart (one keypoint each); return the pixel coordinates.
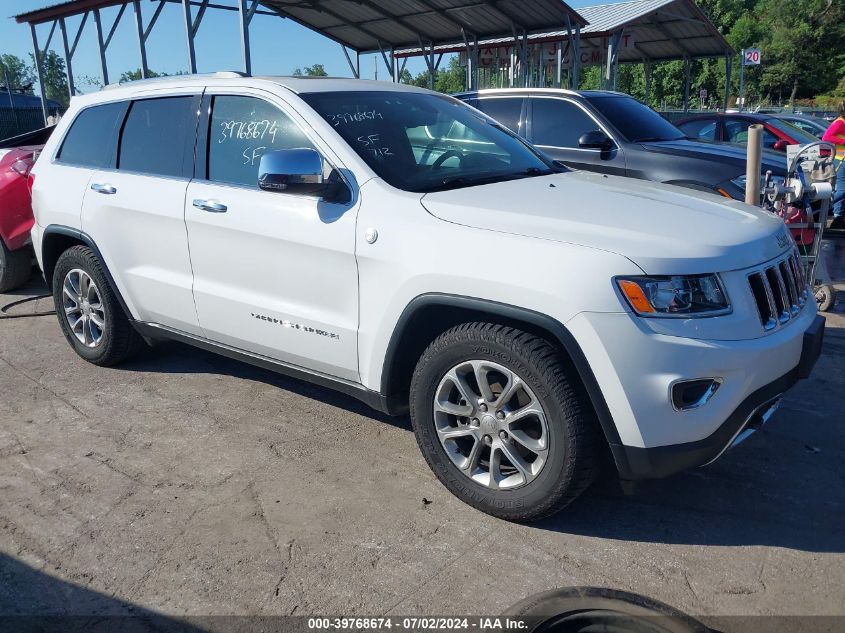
(803, 200)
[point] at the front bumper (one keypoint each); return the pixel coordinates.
(634, 367)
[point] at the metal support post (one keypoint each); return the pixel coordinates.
(189, 32)
(575, 72)
(142, 44)
(39, 71)
(245, 14)
(68, 59)
(101, 47)
(728, 64)
(687, 71)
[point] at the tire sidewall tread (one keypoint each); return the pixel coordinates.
(121, 341)
(571, 464)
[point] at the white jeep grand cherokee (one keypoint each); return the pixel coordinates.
(401, 247)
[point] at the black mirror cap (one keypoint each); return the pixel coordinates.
(596, 139)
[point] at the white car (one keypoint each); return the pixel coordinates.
(400, 246)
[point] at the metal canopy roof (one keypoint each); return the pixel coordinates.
(660, 30)
(371, 25)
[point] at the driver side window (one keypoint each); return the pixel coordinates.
(241, 131)
(559, 123)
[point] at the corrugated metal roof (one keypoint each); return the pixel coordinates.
(660, 30)
(368, 25)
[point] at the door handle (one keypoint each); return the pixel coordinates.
(104, 189)
(210, 205)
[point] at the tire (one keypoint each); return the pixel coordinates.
(117, 340)
(557, 475)
(15, 267)
(577, 609)
(825, 297)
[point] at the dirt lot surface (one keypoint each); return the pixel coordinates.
(189, 484)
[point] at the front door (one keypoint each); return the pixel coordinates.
(557, 125)
(274, 273)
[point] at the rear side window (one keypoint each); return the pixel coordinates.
(242, 130)
(155, 136)
(558, 123)
(505, 110)
(92, 138)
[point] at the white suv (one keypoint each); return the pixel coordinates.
(404, 248)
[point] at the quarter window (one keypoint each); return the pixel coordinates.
(92, 138)
(242, 130)
(155, 137)
(558, 123)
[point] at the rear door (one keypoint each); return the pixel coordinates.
(135, 212)
(557, 124)
(90, 144)
(274, 272)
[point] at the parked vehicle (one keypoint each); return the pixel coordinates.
(396, 245)
(613, 133)
(810, 124)
(17, 155)
(733, 128)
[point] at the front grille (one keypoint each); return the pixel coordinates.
(779, 291)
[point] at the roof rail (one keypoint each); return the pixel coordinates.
(223, 74)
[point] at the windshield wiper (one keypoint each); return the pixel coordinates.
(466, 181)
(655, 139)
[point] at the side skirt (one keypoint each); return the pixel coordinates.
(156, 332)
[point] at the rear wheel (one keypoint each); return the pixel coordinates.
(15, 267)
(89, 314)
(502, 421)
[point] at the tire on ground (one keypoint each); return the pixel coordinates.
(120, 340)
(573, 459)
(15, 267)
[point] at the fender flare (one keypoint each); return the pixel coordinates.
(513, 313)
(81, 236)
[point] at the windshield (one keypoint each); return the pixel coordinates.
(424, 142)
(635, 121)
(792, 131)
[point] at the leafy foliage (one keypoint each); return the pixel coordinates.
(317, 70)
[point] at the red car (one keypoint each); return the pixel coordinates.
(733, 128)
(16, 219)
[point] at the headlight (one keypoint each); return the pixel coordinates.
(675, 296)
(740, 180)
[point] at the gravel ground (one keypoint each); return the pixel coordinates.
(187, 484)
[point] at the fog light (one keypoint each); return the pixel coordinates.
(692, 394)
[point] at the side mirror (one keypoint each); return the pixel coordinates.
(295, 171)
(596, 139)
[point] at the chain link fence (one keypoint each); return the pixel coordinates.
(14, 121)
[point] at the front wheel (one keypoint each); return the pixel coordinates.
(502, 421)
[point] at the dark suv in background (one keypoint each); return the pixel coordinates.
(613, 133)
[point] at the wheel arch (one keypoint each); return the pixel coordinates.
(429, 315)
(56, 239)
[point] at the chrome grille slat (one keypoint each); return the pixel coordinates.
(779, 291)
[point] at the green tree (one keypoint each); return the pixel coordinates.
(135, 75)
(317, 70)
(448, 81)
(55, 77)
(20, 76)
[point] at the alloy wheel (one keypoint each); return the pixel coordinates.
(491, 425)
(83, 308)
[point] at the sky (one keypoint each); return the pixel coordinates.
(278, 46)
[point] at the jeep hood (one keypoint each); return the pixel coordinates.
(663, 229)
